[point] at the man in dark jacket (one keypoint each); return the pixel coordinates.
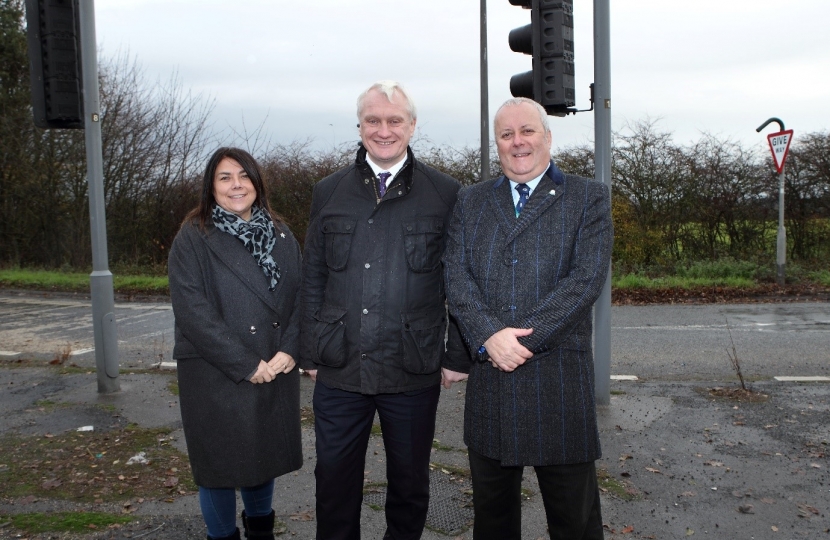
(526, 258)
(374, 318)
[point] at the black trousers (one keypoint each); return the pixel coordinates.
(343, 423)
(570, 494)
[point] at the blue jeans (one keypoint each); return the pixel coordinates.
(219, 506)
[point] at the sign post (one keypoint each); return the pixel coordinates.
(779, 145)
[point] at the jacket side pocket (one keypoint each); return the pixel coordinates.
(330, 336)
(577, 342)
(423, 340)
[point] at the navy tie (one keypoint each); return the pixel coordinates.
(524, 193)
(382, 178)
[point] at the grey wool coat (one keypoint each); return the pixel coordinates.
(542, 270)
(238, 434)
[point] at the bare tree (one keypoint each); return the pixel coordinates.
(647, 169)
(670, 203)
(724, 210)
(154, 141)
(291, 172)
(807, 197)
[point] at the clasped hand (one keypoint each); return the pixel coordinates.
(267, 371)
(504, 349)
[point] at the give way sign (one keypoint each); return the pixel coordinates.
(779, 144)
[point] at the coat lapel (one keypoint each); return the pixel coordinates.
(501, 202)
(232, 252)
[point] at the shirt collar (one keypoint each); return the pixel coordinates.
(394, 169)
(532, 184)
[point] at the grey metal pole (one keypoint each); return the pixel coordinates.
(602, 173)
(781, 242)
(103, 303)
(485, 97)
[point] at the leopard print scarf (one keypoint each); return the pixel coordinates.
(258, 235)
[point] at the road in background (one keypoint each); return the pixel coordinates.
(669, 342)
(45, 326)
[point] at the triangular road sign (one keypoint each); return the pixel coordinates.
(779, 144)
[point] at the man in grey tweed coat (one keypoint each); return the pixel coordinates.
(526, 258)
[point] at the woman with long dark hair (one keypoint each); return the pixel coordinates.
(234, 271)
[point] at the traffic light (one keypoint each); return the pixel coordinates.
(53, 35)
(549, 40)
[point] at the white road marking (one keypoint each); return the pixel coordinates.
(784, 378)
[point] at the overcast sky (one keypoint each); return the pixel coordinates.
(717, 66)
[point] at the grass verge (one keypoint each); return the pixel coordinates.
(79, 282)
(722, 273)
(76, 522)
(639, 281)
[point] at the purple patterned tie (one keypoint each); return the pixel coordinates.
(523, 194)
(382, 178)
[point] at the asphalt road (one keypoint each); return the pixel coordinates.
(693, 464)
(661, 342)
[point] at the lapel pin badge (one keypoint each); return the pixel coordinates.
(282, 235)
(553, 192)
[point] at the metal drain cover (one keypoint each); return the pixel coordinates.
(450, 502)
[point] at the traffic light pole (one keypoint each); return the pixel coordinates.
(602, 173)
(485, 98)
(103, 303)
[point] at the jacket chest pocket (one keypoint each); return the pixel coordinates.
(423, 240)
(338, 234)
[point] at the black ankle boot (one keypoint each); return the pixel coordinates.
(234, 536)
(261, 527)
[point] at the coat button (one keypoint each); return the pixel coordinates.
(365, 180)
(365, 311)
(371, 221)
(367, 266)
(253, 329)
(363, 356)
(275, 324)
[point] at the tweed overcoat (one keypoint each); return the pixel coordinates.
(542, 270)
(238, 434)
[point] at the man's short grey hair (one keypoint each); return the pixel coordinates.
(512, 102)
(388, 88)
